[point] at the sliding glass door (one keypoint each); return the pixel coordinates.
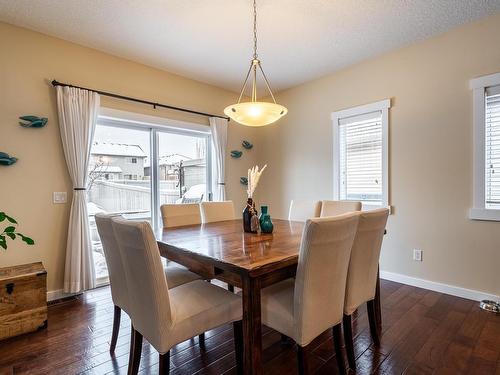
(135, 168)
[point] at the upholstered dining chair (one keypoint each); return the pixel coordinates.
(176, 276)
(304, 307)
(177, 215)
(167, 317)
(301, 210)
(334, 208)
(216, 211)
(363, 274)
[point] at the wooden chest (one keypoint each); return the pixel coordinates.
(23, 299)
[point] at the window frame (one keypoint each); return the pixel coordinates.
(382, 106)
(478, 86)
(155, 125)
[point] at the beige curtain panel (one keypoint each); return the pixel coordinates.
(218, 127)
(78, 110)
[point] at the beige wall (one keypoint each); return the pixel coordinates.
(430, 152)
(29, 61)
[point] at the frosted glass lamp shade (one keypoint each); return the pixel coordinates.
(255, 113)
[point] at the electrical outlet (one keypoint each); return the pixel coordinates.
(60, 197)
(417, 255)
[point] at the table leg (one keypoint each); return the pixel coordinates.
(252, 330)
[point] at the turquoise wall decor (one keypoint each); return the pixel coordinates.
(247, 145)
(6, 159)
(243, 180)
(33, 121)
(236, 154)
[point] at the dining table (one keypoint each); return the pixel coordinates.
(250, 261)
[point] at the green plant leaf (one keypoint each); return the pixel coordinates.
(11, 235)
(3, 242)
(2, 216)
(11, 219)
(26, 239)
(10, 229)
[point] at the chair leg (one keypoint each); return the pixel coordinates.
(201, 340)
(116, 328)
(135, 353)
(337, 343)
(349, 345)
(372, 319)
(238, 345)
(230, 288)
(303, 359)
(378, 308)
(131, 350)
(165, 363)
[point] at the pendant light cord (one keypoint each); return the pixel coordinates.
(255, 29)
(254, 64)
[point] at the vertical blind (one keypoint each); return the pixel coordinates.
(492, 147)
(360, 145)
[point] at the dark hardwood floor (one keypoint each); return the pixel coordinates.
(424, 332)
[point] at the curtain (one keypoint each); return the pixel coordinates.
(78, 110)
(218, 127)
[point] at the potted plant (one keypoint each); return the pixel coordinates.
(10, 231)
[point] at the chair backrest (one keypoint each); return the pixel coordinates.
(301, 210)
(321, 274)
(363, 266)
(216, 211)
(113, 258)
(334, 208)
(177, 215)
(147, 285)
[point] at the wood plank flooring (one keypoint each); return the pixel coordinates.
(423, 332)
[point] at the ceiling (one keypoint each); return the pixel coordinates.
(211, 40)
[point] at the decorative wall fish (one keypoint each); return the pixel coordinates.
(247, 145)
(236, 154)
(243, 180)
(6, 159)
(33, 121)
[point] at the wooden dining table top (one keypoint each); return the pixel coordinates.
(224, 243)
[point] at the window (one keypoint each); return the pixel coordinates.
(486, 116)
(135, 166)
(361, 154)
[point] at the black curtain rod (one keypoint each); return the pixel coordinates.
(117, 96)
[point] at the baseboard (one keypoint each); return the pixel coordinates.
(54, 295)
(474, 295)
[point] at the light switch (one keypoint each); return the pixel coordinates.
(60, 197)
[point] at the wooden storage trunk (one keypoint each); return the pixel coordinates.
(23, 299)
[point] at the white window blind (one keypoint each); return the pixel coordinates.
(360, 158)
(492, 147)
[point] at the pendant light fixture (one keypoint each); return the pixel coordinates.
(255, 113)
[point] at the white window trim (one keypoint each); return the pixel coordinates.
(382, 106)
(478, 87)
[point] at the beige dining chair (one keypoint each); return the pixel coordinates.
(301, 210)
(176, 276)
(216, 211)
(167, 317)
(363, 274)
(304, 307)
(334, 208)
(177, 215)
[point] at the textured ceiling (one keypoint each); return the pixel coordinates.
(211, 40)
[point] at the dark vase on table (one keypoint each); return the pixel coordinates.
(250, 217)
